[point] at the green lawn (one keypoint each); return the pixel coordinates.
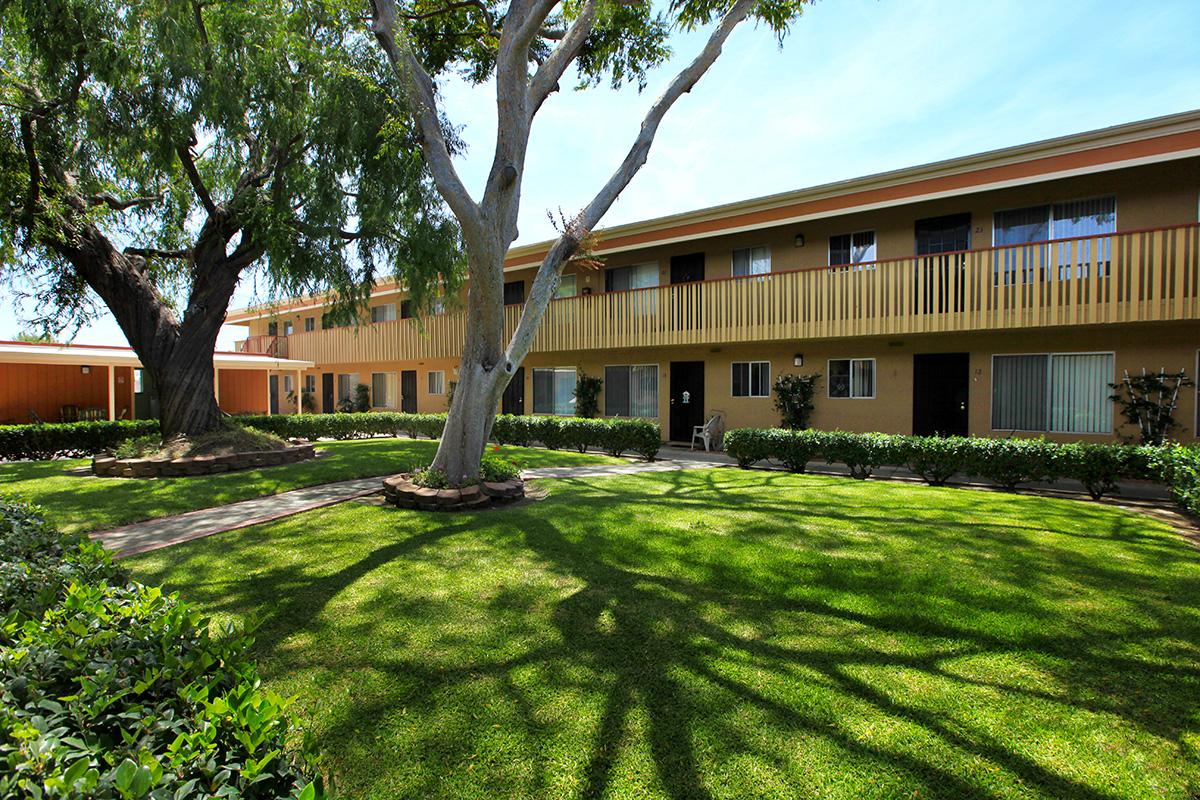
(722, 634)
(86, 503)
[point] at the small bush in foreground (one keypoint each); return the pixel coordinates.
(112, 689)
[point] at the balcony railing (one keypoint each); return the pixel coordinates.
(276, 346)
(1137, 276)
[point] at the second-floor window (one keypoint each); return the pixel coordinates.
(566, 286)
(638, 276)
(437, 382)
(310, 324)
(631, 391)
(385, 312)
(406, 309)
(272, 329)
(288, 329)
(554, 391)
(851, 248)
(751, 261)
(1034, 225)
(751, 379)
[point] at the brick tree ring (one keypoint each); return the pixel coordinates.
(106, 466)
(400, 491)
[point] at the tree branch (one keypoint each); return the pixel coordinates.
(117, 204)
(447, 9)
(546, 280)
(545, 80)
(418, 90)
(154, 252)
(184, 151)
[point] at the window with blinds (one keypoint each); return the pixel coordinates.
(1037, 228)
(554, 391)
(436, 381)
(383, 313)
(1053, 392)
(383, 389)
(751, 261)
(851, 248)
(631, 391)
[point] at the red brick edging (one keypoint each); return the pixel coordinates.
(111, 467)
(402, 492)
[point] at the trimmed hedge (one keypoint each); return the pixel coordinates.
(1179, 468)
(109, 688)
(347, 425)
(1006, 462)
(69, 439)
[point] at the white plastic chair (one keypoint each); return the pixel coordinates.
(707, 432)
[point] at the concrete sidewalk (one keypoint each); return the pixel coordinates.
(142, 537)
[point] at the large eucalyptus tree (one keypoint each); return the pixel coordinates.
(526, 47)
(156, 151)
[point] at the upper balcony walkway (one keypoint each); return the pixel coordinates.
(1136, 276)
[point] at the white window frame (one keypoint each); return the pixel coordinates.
(868, 264)
(733, 260)
(352, 384)
(657, 396)
(310, 384)
(310, 324)
(852, 396)
(289, 328)
(435, 386)
(1050, 204)
(750, 379)
(561, 291)
(533, 385)
(1050, 390)
(288, 387)
(388, 313)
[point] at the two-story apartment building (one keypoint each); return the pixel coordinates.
(997, 293)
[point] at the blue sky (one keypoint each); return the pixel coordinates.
(860, 86)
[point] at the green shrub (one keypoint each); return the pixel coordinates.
(937, 458)
(348, 425)
(581, 434)
(748, 446)
(1012, 462)
(548, 431)
(1177, 466)
(587, 395)
(513, 429)
(1100, 466)
(69, 439)
(112, 689)
(862, 453)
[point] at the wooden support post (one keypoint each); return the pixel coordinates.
(299, 391)
(268, 373)
(112, 393)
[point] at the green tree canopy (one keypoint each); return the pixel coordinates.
(154, 151)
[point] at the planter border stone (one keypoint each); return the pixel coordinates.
(400, 491)
(107, 466)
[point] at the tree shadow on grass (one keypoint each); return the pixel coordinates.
(699, 649)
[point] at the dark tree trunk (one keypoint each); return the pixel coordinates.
(178, 354)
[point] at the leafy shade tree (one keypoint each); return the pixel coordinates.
(526, 47)
(154, 152)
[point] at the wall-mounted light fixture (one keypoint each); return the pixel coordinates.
(798, 360)
(86, 370)
(799, 240)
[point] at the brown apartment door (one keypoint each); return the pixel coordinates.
(941, 390)
(939, 245)
(688, 268)
(326, 392)
(687, 399)
(513, 399)
(408, 391)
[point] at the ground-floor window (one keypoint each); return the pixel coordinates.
(347, 383)
(288, 387)
(437, 381)
(310, 384)
(852, 378)
(751, 378)
(1055, 392)
(631, 391)
(554, 391)
(383, 389)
